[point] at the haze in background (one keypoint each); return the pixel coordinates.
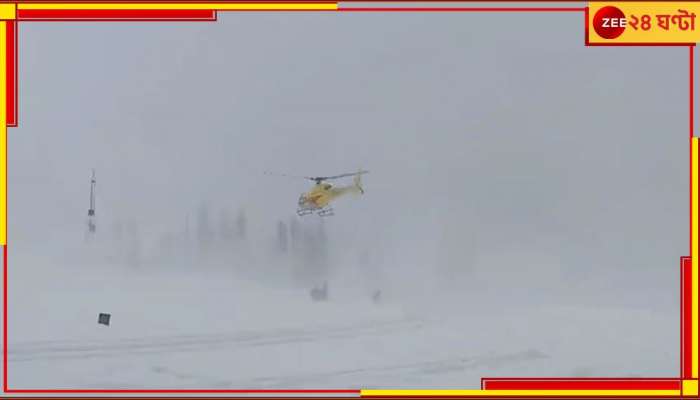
(509, 168)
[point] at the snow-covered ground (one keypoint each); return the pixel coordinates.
(213, 329)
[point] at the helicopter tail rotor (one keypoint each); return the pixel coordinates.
(357, 181)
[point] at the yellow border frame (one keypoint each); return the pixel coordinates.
(8, 12)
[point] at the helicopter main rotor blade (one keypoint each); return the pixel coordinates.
(317, 179)
(343, 175)
(289, 176)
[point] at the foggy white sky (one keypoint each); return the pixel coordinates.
(547, 151)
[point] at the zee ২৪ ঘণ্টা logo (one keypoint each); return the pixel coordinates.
(609, 22)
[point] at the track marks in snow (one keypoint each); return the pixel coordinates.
(360, 377)
(73, 349)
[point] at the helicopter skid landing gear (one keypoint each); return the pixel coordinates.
(325, 212)
(304, 208)
(304, 211)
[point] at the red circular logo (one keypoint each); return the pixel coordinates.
(609, 22)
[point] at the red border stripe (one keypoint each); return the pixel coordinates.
(464, 9)
(260, 391)
(11, 70)
(582, 384)
(223, 1)
(165, 15)
(686, 308)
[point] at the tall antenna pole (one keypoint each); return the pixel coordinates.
(91, 211)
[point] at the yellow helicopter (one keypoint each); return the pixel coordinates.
(319, 197)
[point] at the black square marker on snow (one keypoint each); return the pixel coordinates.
(103, 319)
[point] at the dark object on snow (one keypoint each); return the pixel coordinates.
(320, 294)
(377, 296)
(104, 319)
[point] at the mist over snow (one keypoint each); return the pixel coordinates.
(524, 214)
